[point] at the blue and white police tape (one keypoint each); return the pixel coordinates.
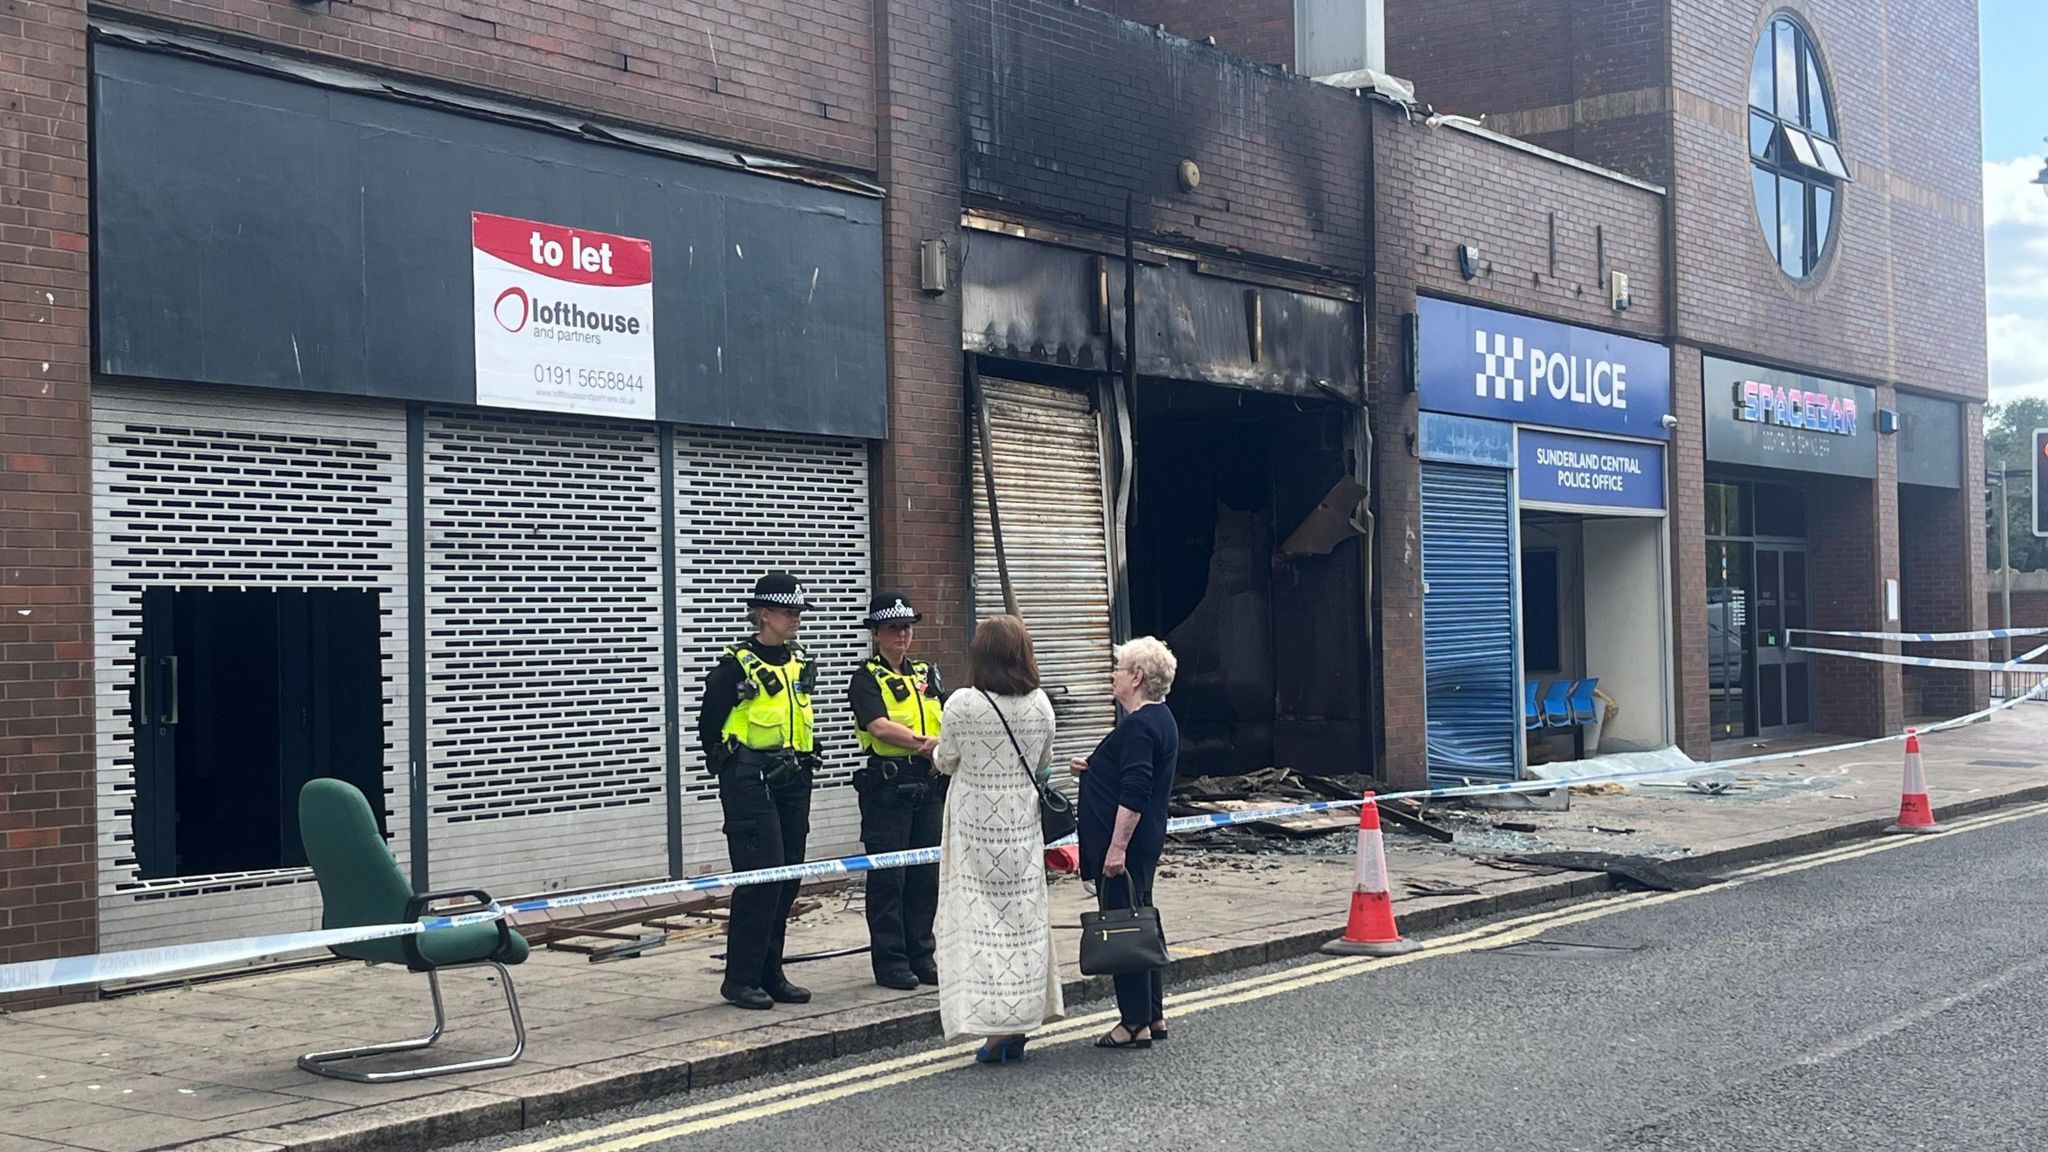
(2016, 664)
(1928, 637)
(143, 963)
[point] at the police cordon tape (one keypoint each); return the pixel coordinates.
(2016, 664)
(1928, 637)
(145, 963)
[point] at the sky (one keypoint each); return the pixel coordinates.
(2015, 38)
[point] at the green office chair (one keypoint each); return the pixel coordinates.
(360, 884)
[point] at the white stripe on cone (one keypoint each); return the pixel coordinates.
(1916, 812)
(1371, 930)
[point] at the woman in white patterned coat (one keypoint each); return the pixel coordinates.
(997, 977)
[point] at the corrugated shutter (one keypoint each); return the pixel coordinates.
(547, 758)
(201, 488)
(1468, 612)
(746, 502)
(1049, 490)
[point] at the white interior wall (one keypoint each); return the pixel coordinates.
(1627, 635)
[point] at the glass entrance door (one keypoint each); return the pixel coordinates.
(1731, 645)
(1784, 678)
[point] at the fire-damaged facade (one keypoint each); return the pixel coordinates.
(1417, 438)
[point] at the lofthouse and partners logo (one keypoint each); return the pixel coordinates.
(564, 318)
(1578, 379)
(1760, 403)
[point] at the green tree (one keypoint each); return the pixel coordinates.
(2009, 442)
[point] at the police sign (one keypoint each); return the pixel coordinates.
(1496, 365)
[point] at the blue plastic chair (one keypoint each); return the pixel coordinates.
(1584, 708)
(1557, 708)
(1532, 712)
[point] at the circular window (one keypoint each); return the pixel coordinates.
(1796, 165)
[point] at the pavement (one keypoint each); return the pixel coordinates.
(209, 1066)
(1882, 998)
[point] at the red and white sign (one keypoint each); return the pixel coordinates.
(564, 318)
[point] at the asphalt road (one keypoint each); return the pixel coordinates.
(1883, 999)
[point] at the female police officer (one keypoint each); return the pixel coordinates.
(896, 713)
(755, 729)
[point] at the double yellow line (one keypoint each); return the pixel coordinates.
(763, 1103)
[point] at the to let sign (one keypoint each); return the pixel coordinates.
(1588, 472)
(564, 318)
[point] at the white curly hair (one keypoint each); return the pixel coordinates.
(1152, 661)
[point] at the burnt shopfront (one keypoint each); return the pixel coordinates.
(1214, 495)
(435, 445)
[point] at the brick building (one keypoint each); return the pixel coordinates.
(258, 427)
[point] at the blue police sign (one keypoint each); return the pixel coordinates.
(1588, 471)
(1478, 362)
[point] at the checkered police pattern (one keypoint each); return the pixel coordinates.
(1502, 367)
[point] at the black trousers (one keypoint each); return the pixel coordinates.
(1140, 996)
(902, 902)
(764, 828)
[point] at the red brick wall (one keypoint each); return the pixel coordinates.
(1584, 77)
(1440, 188)
(920, 509)
(1069, 108)
(795, 77)
(1692, 709)
(1934, 571)
(47, 805)
(1852, 549)
(1898, 297)
(1260, 30)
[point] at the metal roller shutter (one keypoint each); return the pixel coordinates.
(1047, 444)
(746, 503)
(202, 488)
(1468, 612)
(546, 751)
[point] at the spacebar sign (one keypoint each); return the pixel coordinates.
(1588, 471)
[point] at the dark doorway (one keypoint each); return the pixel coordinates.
(240, 697)
(1758, 604)
(1271, 646)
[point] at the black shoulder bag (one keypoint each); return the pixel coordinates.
(1122, 941)
(1055, 811)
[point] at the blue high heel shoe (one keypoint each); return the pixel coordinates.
(1012, 1048)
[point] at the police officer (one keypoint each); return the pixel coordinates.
(755, 729)
(896, 709)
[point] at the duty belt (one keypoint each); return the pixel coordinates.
(894, 768)
(776, 767)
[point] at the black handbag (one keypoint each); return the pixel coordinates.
(1055, 811)
(1122, 941)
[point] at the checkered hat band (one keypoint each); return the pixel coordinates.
(897, 612)
(793, 599)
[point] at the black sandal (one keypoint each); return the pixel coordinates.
(1134, 1040)
(1158, 1031)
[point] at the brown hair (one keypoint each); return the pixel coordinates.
(1000, 660)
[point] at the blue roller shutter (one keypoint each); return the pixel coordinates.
(1468, 624)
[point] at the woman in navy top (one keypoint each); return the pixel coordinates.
(1125, 784)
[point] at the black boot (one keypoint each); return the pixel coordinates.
(745, 996)
(925, 971)
(782, 991)
(902, 980)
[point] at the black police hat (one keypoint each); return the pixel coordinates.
(890, 608)
(778, 590)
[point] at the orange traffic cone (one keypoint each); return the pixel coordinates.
(1371, 930)
(1916, 814)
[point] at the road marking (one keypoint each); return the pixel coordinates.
(639, 1132)
(1904, 1020)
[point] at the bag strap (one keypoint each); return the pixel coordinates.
(1022, 761)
